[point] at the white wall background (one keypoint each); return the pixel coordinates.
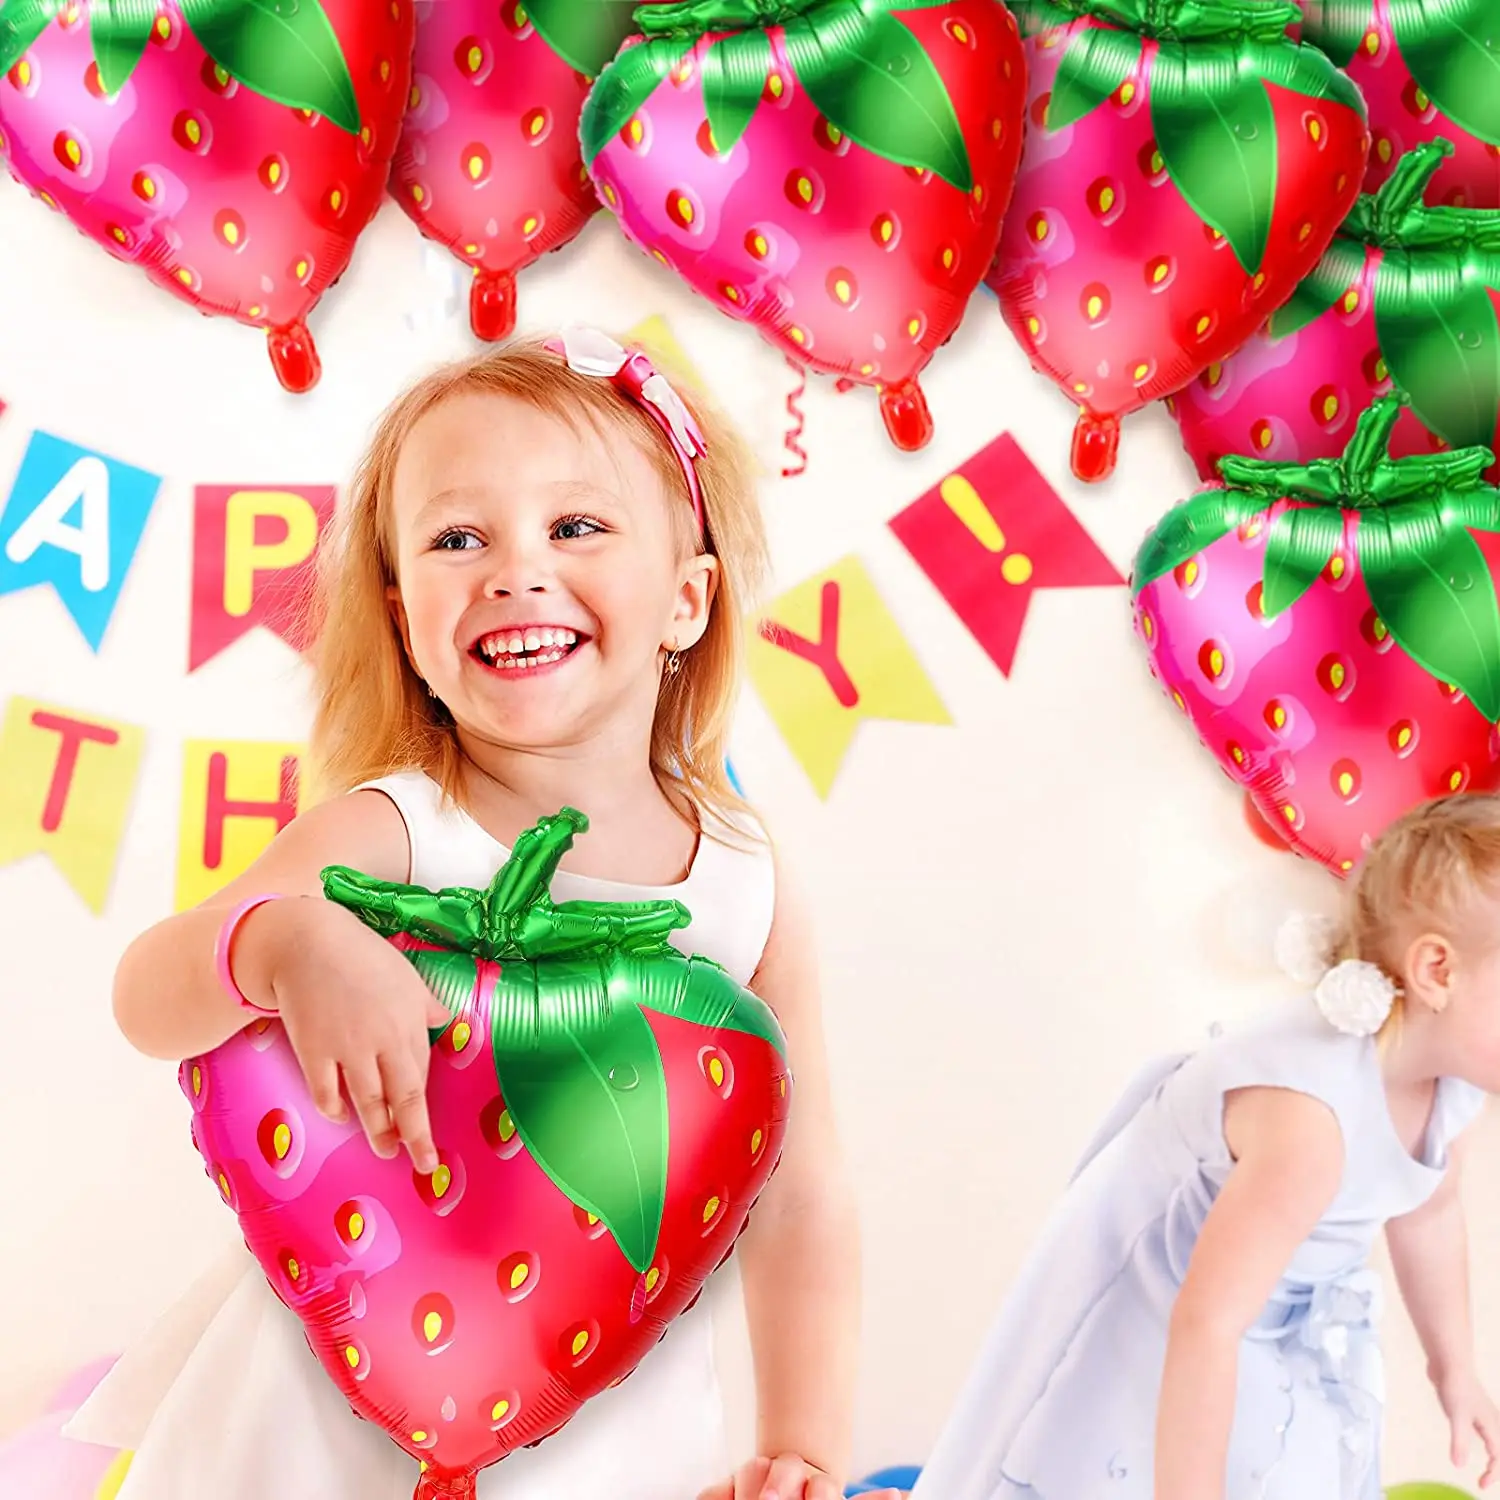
(1063, 885)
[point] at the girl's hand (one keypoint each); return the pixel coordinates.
(787, 1477)
(356, 1013)
(1470, 1410)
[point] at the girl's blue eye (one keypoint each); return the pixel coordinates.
(455, 541)
(572, 528)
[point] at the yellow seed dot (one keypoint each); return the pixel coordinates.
(231, 232)
(842, 290)
(1033, 326)
(476, 58)
(1422, 101)
(710, 1209)
(1336, 675)
(281, 1140)
(1384, 150)
(756, 1137)
(1127, 92)
(636, 129)
(351, 1357)
(914, 326)
(1203, 324)
(74, 150)
(461, 1034)
(1379, 630)
(1190, 573)
(197, 1079)
(716, 1072)
(1177, 699)
(805, 189)
(1350, 302)
(253, 311)
(1330, 408)
(519, 1274)
(356, 1225)
(1141, 372)
(1455, 781)
(961, 34)
(1346, 783)
(1260, 280)
(1095, 307)
(979, 192)
(274, 172)
(335, 200)
(506, 1127)
(652, 1277)
(1158, 163)
(185, 276)
(432, 1327)
(293, 1269)
(223, 1184)
(1346, 864)
(471, 249)
(498, 1410)
(1304, 231)
(1278, 717)
(1382, 370)
(867, 369)
(1289, 813)
(796, 335)
(947, 257)
(685, 210)
(1264, 437)
(164, 29)
(418, 193)
(1017, 568)
(1039, 230)
(1372, 42)
(1106, 199)
(776, 86)
(580, 1342)
(593, 1219)
(301, 269)
(23, 73)
(1315, 129)
(194, 132)
(530, 225)
(1336, 568)
(419, 1436)
(1081, 387)
(442, 1180)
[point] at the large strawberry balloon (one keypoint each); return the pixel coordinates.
(1332, 632)
(1427, 68)
(234, 150)
(606, 1111)
(1187, 165)
(489, 163)
(1404, 293)
(834, 172)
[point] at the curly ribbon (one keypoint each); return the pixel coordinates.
(798, 423)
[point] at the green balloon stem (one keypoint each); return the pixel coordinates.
(693, 18)
(1366, 477)
(1192, 20)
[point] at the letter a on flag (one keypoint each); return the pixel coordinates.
(74, 519)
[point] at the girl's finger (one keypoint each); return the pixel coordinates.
(750, 1479)
(367, 1095)
(785, 1480)
(821, 1487)
(323, 1084)
(723, 1490)
(405, 1089)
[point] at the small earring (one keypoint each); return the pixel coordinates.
(431, 693)
(674, 663)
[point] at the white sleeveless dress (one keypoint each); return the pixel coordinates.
(222, 1399)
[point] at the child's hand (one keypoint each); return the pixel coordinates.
(354, 1010)
(1470, 1410)
(785, 1478)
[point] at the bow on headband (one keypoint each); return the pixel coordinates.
(590, 352)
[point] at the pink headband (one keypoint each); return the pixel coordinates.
(589, 352)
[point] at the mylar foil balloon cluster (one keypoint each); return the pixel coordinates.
(231, 149)
(834, 172)
(1427, 69)
(489, 163)
(1331, 630)
(1405, 294)
(606, 1111)
(1186, 165)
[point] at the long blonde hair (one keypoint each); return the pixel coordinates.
(374, 715)
(1422, 874)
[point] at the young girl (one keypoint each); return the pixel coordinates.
(534, 602)
(1198, 1320)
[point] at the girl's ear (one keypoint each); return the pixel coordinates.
(695, 597)
(1430, 972)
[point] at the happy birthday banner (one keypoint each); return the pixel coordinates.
(825, 657)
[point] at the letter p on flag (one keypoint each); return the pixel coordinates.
(74, 519)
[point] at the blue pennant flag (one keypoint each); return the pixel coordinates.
(74, 519)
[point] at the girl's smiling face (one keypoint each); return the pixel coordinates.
(542, 570)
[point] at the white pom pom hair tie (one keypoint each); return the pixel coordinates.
(1354, 997)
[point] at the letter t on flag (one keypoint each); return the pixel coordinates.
(990, 535)
(253, 563)
(827, 655)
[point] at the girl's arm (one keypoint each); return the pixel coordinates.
(167, 997)
(799, 1257)
(1289, 1158)
(1430, 1256)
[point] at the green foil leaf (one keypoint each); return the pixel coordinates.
(586, 34)
(623, 86)
(119, 33)
(1336, 27)
(873, 79)
(1320, 290)
(1431, 585)
(21, 23)
(1300, 544)
(288, 53)
(1453, 51)
(1096, 63)
(1184, 532)
(734, 78)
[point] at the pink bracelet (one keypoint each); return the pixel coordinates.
(221, 951)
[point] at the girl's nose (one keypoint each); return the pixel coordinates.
(515, 568)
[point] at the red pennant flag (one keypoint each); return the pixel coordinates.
(253, 550)
(992, 533)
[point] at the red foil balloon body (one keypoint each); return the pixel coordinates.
(855, 263)
(1334, 708)
(1124, 270)
(239, 205)
(489, 163)
(471, 1312)
(1404, 293)
(1419, 67)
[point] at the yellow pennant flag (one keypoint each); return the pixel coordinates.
(237, 795)
(656, 334)
(827, 655)
(66, 781)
